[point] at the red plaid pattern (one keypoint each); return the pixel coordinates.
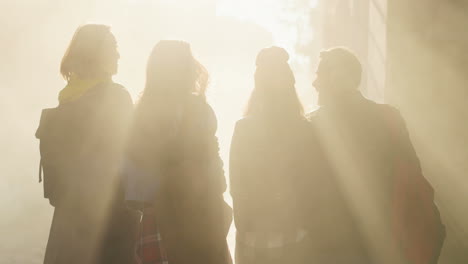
(149, 248)
(416, 220)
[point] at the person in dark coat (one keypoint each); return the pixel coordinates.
(81, 149)
(173, 139)
(366, 210)
(272, 153)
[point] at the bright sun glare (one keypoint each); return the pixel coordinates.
(415, 55)
(273, 15)
(225, 36)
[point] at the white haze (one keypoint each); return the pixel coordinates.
(34, 35)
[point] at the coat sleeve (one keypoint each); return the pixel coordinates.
(198, 158)
(401, 135)
(237, 172)
(417, 224)
(215, 163)
(235, 161)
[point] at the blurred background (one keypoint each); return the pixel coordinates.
(413, 52)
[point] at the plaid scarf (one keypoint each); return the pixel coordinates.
(149, 248)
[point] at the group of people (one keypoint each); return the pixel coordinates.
(323, 187)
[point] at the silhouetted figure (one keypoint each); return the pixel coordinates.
(376, 206)
(270, 161)
(81, 145)
(173, 139)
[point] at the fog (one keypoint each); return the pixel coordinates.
(35, 35)
(225, 36)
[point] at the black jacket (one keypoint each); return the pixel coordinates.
(81, 149)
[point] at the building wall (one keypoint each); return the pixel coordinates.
(377, 49)
(360, 25)
(426, 79)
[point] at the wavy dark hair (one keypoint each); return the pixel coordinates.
(172, 76)
(173, 70)
(274, 92)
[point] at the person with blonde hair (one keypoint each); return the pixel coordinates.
(81, 143)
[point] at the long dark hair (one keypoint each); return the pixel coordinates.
(274, 92)
(172, 75)
(173, 70)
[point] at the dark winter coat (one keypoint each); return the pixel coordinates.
(368, 202)
(90, 222)
(191, 213)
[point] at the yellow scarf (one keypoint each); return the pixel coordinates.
(76, 87)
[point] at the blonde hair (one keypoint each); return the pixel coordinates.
(173, 75)
(87, 55)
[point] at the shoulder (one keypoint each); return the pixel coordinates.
(112, 101)
(379, 107)
(246, 123)
(197, 103)
(292, 125)
(246, 127)
(392, 117)
(117, 91)
(107, 94)
(200, 110)
(388, 111)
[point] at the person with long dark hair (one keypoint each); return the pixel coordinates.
(81, 144)
(270, 163)
(173, 140)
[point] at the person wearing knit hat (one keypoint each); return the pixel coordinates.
(270, 163)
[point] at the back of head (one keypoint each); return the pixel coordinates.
(92, 53)
(173, 75)
(342, 65)
(274, 92)
(172, 69)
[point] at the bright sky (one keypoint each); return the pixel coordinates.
(276, 16)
